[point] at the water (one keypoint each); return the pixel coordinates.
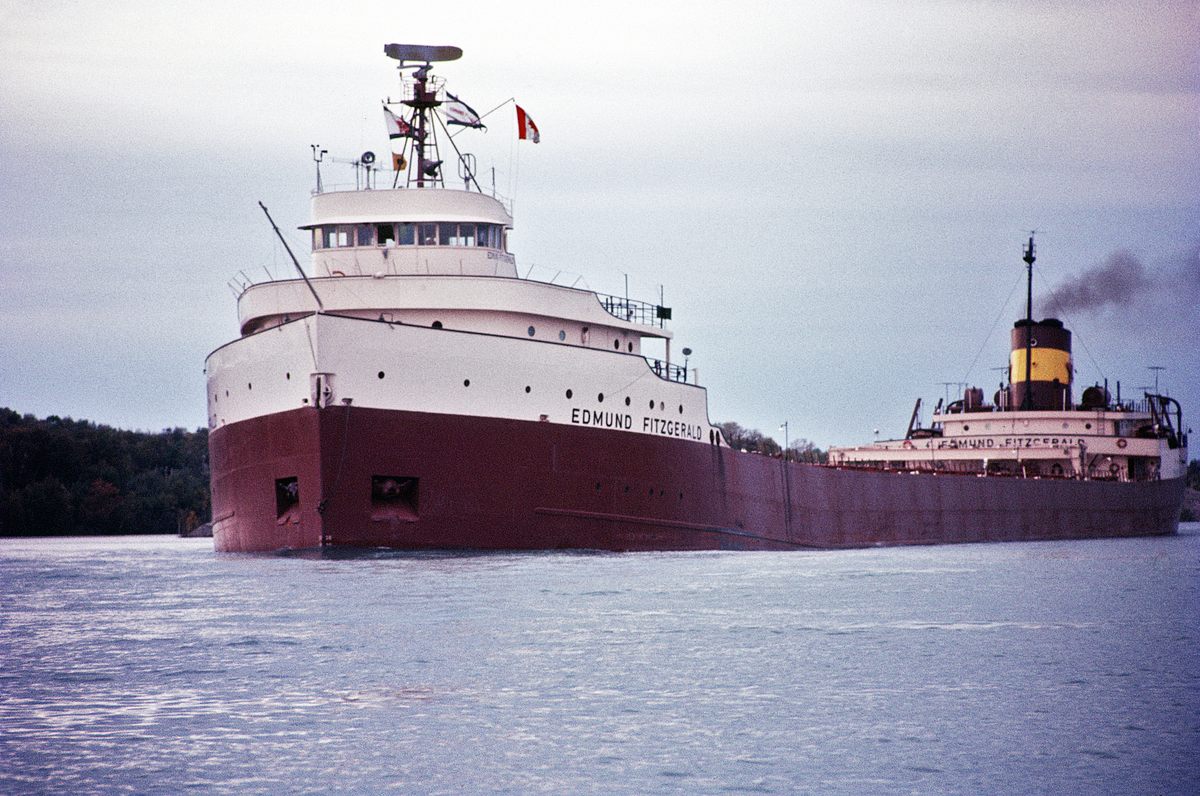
(153, 665)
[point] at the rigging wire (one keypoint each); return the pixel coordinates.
(988, 336)
(1076, 335)
(484, 116)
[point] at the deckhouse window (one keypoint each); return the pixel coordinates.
(444, 233)
(385, 234)
(337, 237)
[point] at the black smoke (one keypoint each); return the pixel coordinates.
(1118, 281)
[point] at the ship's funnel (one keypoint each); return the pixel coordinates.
(1048, 383)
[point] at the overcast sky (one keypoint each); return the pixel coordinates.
(833, 195)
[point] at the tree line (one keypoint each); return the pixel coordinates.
(752, 440)
(61, 476)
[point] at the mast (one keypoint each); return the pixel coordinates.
(1027, 400)
(423, 99)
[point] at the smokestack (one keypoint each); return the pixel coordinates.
(1048, 383)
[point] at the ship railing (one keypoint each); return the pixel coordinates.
(634, 311)
(382, 178)
(667, 370)
(1131, 405)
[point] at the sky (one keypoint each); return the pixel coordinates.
(833, 196)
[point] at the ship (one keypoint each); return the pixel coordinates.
(417, 392)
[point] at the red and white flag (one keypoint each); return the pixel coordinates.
(397, 127)
(526, 129)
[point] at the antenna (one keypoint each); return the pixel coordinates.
(466, 168)
(949, 384)
(318, 156)
(427, 53)
(1027, 400)
(1156, 369)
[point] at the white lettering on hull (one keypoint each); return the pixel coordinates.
(592, 417)
(670, 428)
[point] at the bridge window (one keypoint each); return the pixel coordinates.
(336, 237)
(444, 233)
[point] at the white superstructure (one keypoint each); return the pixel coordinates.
(413, 302)
(1130, 442)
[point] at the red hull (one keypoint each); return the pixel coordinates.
(486, 483)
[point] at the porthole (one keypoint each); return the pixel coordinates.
(966, 428)
(681, 409)
(597, 486)
(617, 344)
(627, 401)
(531, 331)
(528, 388)
(570, 394)
(227, 393)
(289, 376)
(562, 335)
(1088, 426)
(627, 489)
(662, 405)
(652, 404)
(249, 386)
(437, 324)
(466, 382)
(381, 374)
(600, 398)
(631, 348)
(651, 491)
